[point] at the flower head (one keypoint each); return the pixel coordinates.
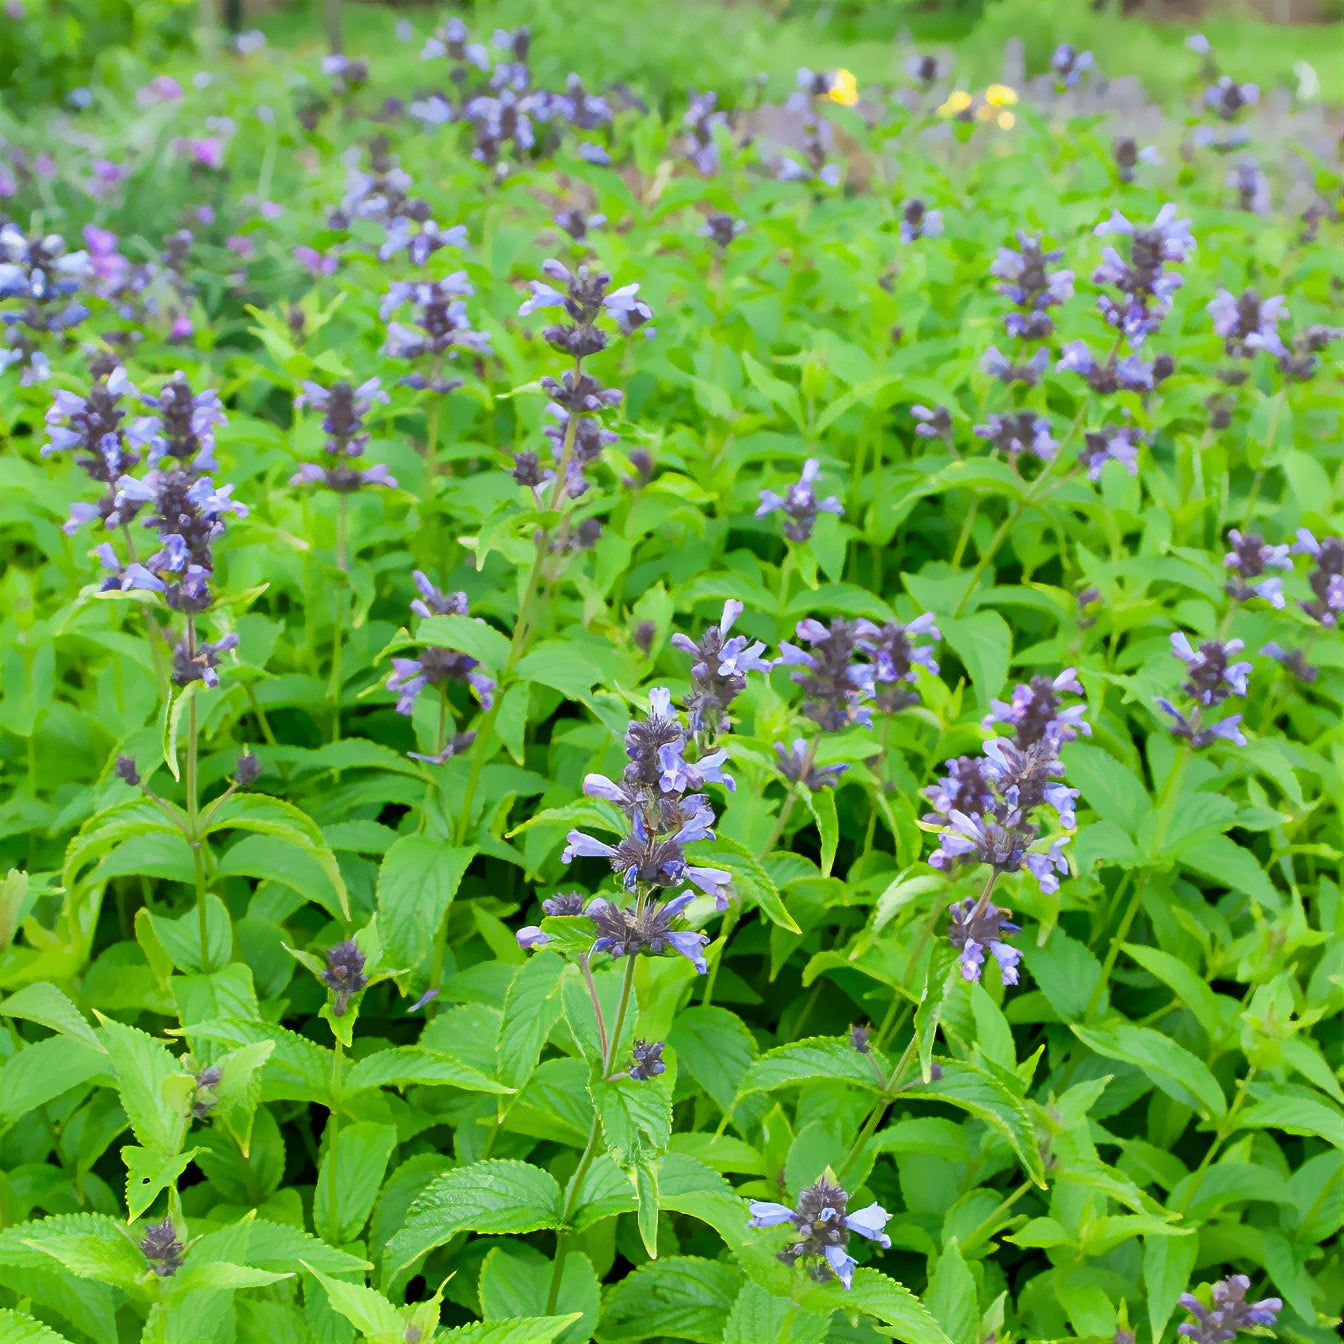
(800, 506)
(1229, 1313)
(161, 1247)
(344, 974)
(823, 1222)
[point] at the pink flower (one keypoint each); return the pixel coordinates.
(315, 262)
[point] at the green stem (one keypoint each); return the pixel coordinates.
(593, 1145)
(877, 1111)
(1165, 814)
(195, 838)
(521, 629)
(1040, 487)
(985, 1227)
(335, 1184)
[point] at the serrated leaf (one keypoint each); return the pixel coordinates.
(531, 1010)
(46, 1004)
(1170, 1066)
(365, 1308)
(143, 1066)
(491, 1196)
(417, 881)
(819, 1059)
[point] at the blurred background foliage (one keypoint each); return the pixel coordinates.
(50, 49)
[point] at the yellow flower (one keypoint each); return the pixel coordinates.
(1007, 121)
(957, 101)
(1000, 95)
(844, 89)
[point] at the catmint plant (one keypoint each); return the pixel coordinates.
(1326, 579)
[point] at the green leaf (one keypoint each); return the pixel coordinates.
(41, 1071)
(1170, 1066)
(817, 1059)
(181, 938)
(1293, 1109)
(951, 1294)
(144, 1066)
(984, 1096)
(521, 1330)
(409, 1065)
(148, 1174)
(776, 391)
(365, 1308)
(1191, 989)
(984, 643)
(636, 1117)
(464, 634)
(757, 1315)
(219, 1276)
(874, 1293)
(493, 1196)
(265, 815)
(750, 880)
(714, 1049)
(359, 1160)
(559, 665)
(416, 884)
(688, 1298)
(91, 1255)
(940, 981)
(1067, 973)
(514, 1278)
(1168, 1263)
(46, 1004)
(646, 1214)
(821, 803)
(1227, 864)
(16, 1328)
(531, 1010)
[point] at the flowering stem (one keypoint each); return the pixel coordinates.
(334, 1190)
(1166, 811)
(195, 839)
(985, 1227)
(879, 1108)
(594, 1137)
(522, 626)
(597, 1007)
(1039, 489)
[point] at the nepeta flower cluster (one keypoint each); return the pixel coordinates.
(918, 221)
(1031, 286)
(162, 1249)
(1019, 433)
(836, 682)
(578, 438)
(1212, 677)
(1230, 1313)
(824, 1224)
(44, 276)
(344, 975)
(978, 927)
(895, 656)
(719, 674)
(1119, 373)
(801, 505)
(1069, 65)
(441, 327)
(92, 425)
(1249, 559)
(1248, 322)
(344, 407)
(437, 666)
(1326, 579)
(985, 808)
(699, 124)
(1109, 444)
(1144, 284)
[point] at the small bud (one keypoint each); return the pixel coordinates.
(858, 1038)
(247, 771)
(344, 974)
(645, 632)
(125, 770)
(162, 1248)
(648, 1063)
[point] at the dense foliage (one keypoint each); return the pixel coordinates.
(640, 716)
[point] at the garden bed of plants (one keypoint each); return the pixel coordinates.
(637, 710)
